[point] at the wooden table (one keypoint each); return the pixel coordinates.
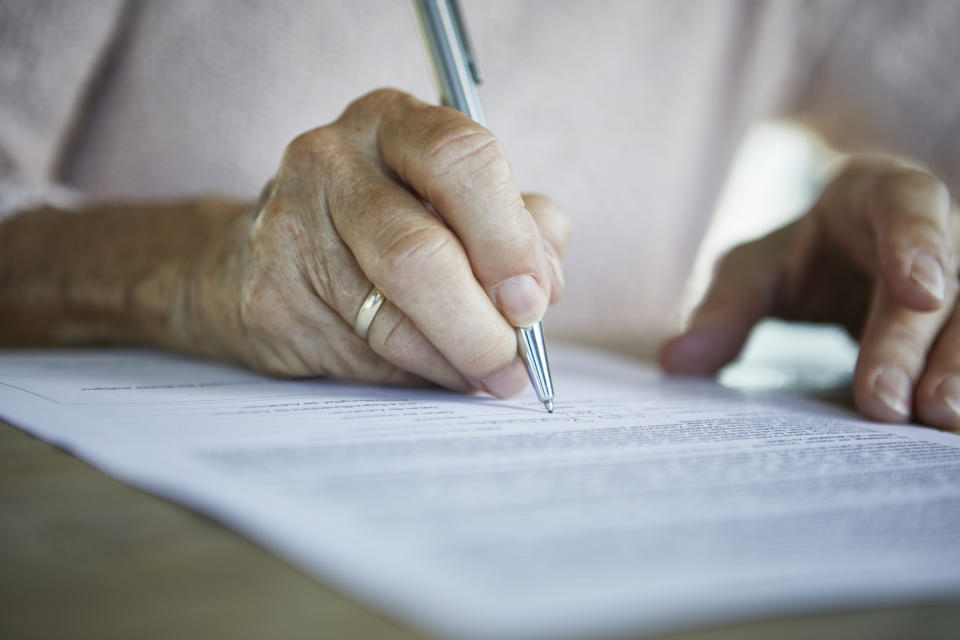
(84, 556)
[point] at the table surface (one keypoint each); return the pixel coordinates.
(85, 556)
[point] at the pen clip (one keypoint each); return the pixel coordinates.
(457, 17)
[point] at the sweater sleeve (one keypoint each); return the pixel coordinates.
(50, 56)
(886, 81)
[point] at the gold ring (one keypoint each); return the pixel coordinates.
(367, 312)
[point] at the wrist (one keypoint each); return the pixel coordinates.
(111, 273)
(202, 314)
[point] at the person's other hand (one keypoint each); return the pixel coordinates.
(878, 254)
(417, 200)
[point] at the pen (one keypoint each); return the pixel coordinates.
(456, 74)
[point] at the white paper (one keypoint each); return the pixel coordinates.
(641, 505)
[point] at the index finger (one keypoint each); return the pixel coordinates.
(911, 211)
(420, 266)
(461, 169)
(894, 220)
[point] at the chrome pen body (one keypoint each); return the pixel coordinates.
(456, 74)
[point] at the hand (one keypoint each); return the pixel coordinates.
(877, 254)
(416, 199)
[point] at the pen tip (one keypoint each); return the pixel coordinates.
(549, 405)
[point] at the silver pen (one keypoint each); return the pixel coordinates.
(456, 74)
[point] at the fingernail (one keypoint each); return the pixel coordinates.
(507, 382)
(892, 386)
(949, 393)
(927, 272)
(522, 300)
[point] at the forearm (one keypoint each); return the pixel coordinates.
(115, 273)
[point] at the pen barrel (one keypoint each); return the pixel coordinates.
(533, 352)
(439, 26)
(456, 74)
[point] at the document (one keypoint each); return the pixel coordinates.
(643, 504)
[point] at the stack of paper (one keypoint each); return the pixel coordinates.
(641, 505)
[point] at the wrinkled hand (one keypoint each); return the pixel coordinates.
(878, 254)
(416, 199)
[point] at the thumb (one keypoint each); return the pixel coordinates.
(741, 293)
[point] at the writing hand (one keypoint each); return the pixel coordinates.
(415, 199)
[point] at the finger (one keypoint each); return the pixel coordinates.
(307, 338)
(893, 350)
(461, 169)
(392, 340)
(937, 397)
(396, 339)
(421, 267)
(553, 223)
(341, 286)
(391, 335)
(739, 296)
(554, 228)
(910, 212)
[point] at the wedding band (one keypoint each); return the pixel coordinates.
(367, 312)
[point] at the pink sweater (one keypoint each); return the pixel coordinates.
(626, 113)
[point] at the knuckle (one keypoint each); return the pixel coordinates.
(915, 181)
(366, 112)
(276, 233)
(913, 193)
(462, 147)
(908, 337)
(311, 149)
(399, 341)
(485, 354)
(407, 255)
(375, 100)
(319, 165)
